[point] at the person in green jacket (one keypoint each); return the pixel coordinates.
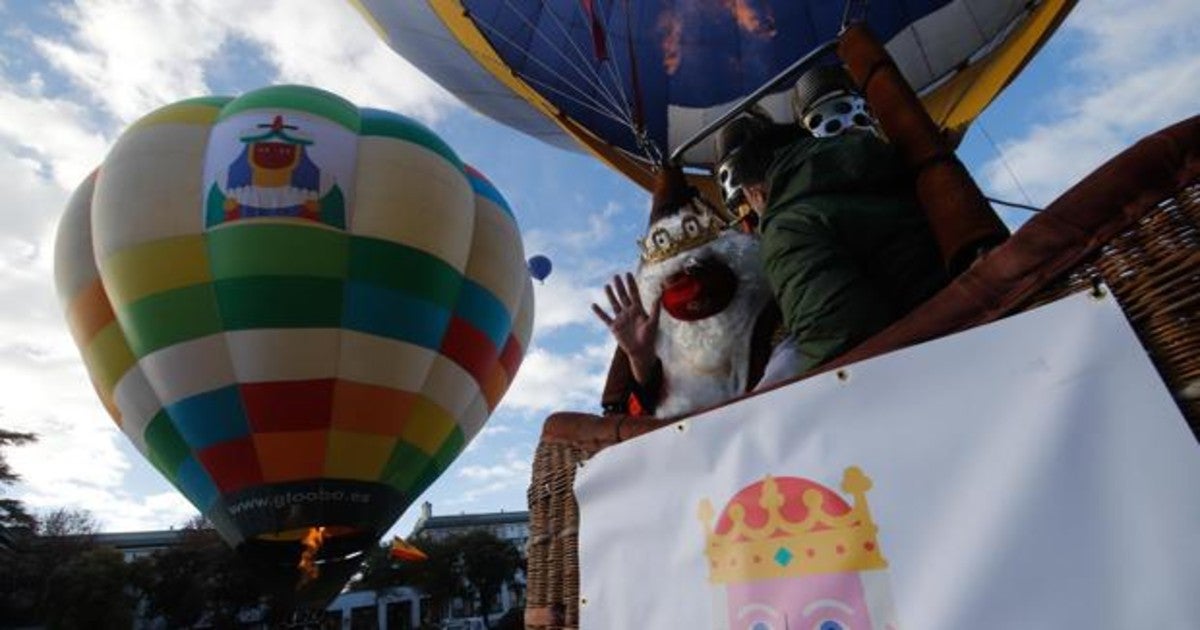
(845, 247)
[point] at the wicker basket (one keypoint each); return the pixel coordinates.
(1133, 225)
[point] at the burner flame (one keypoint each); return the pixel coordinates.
(312, 541)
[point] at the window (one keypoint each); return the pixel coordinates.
(364, 618)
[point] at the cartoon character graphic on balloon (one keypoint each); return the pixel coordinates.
(274, 175)
(788, 553)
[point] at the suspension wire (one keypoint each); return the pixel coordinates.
(1004, 163)
(855, 11)
(584, 97)
(975, 22)
(570, 63)
(605, 113)
(639, 118)
(613, 68)
(596, 80)
(1013, 204)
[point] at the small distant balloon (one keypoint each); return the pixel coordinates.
(540, 267)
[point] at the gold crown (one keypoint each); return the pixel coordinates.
(679, 233)
(820, 542)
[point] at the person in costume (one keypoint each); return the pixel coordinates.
(845, 246)
(713, 339)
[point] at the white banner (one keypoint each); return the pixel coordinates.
(1033, 473)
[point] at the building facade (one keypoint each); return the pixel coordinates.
(510, 526)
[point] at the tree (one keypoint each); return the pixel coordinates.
(51, 561)
(439, 578)
(488, 562)
(89, 590)
(12, 512)
(476, 563)
(201, 579)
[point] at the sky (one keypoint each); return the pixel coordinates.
(73, 74)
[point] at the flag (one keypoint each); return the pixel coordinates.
(405, 552)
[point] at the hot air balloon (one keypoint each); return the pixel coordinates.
(540, 267)
(298, 310)
(632, 81)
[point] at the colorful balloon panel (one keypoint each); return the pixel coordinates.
(300, 311)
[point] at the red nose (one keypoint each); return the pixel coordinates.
(699, 292)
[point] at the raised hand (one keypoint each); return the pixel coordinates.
(634, 329)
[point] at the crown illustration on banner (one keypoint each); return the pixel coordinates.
(789, 527)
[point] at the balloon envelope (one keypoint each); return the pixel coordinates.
(540, 267)
(298, 310)
(630, 81)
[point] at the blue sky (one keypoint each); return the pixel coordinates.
(73, 74)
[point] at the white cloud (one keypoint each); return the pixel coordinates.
(554, 382)
(565, 300)
(583, 263)
(1136, 70)
(132, 56)
(498, 472)
(512, 473)
(47, 145)
(331, 45)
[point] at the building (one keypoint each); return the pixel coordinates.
(134, 545)
(510, 526)
(391, 609)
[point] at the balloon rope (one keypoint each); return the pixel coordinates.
(1008, 169)
(614, 69)
(855, 12)
(615, 101)
(639, 112)
(1013, 204)
(609, 104)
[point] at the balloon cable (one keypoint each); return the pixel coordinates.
(1013, 204)
(1008, 169)
(639, 112)
(855, 12)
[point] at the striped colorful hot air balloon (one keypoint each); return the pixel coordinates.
(298, 310)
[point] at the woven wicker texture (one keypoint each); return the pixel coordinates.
(1153, 270)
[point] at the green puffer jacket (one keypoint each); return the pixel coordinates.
(846, 248)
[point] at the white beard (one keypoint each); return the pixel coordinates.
(706, 362)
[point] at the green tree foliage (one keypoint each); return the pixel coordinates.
(88, 590)
(201, 579)
(58, 557)
(473, 564)
(439, 578)
(12, 512)
(487, 563)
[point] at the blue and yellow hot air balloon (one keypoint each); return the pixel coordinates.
(298, 310)
(630, 82)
